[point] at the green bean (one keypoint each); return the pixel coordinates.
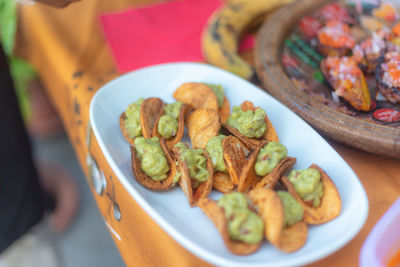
(300, 54)
(306, 47)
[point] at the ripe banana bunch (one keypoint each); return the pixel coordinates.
(221, 35)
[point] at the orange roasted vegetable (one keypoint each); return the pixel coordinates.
(348, 81)
(387, 76)
(335, 39)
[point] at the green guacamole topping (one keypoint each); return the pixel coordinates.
(168, 124)
(153, 160)
(308, 185)
(292, 209)
(214, 149)
(177, 177)
(232, 201)
(243, 224)
(219, 92)
(246, 226)
(173, 109)
(269, 157)
(249, 123)
(132, 122)
(196, 163)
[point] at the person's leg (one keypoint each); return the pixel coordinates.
(26, 238)
(58, 182)
(43, 121)
(22, 199)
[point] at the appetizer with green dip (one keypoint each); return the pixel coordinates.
(244, 225)
(215, 150)
(249, 123)
(152, 157)
(132, 122)
(219, 92)
(152, 163)
(168, 124)
(283, 217)
(196, 173)
(292, 209)
(265, 166)
(308, 185)
(228, 155)
(195, 161)
(269, 157)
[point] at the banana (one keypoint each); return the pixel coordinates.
(221, 35)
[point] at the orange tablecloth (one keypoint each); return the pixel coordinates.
(68, 50)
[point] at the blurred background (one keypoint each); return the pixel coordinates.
(73, 64)
(87, 241)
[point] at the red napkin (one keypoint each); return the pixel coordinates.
(158, 33)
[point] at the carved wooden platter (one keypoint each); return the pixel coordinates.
(356, 129)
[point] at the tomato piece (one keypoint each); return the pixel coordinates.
(334, 11)
(310, 26)
(386, 115)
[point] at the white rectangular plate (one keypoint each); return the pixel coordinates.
(189, 226)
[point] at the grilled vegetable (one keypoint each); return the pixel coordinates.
(387, 76)
(368, 52)
(348, 81)
(335, 39)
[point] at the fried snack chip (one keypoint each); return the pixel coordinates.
(223, 182)
(181, 126)
(331, 203)
(185, 182)
(122, 119)
(202, 124)
(225, 110)
(198, 95)
(217, 215)
(272, 178)
(235, 154)
(250, 179)
(149, 113)
(269, 135)
(293, 237)
(270, 208)
(145, 180)
(247, 105)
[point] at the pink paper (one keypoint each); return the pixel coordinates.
(160, 33)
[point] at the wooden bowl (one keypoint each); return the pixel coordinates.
(360, 134)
